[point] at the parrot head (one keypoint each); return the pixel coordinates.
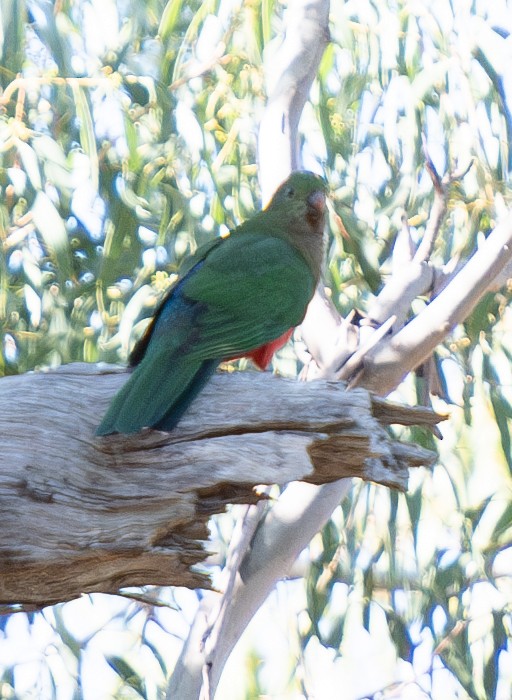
(302, 195)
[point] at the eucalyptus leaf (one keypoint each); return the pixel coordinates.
(53, 231)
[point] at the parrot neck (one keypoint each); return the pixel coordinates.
(301, 229)
(311, 247)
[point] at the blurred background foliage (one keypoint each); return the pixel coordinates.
(128, 137)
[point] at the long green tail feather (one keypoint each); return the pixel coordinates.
(179, 407)
(156, 399)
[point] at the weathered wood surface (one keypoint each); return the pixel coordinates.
(83, 514)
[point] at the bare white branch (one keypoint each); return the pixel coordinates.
(290, 70)
(392, 359)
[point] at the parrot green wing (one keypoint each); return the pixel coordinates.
(248, 290)
(251, 289)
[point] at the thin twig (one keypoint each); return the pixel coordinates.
(458, 628)
(198, 69)
(355, 361)
(21, 84)
(437, 213)
(440, 204)
(147, 599)
(403, 249)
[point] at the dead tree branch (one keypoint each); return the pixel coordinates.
(83, 514)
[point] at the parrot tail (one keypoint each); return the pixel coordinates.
(152, 399)
(178, 408)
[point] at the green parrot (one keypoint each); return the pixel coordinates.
(241, 295)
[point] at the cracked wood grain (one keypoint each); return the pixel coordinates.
(84, 514)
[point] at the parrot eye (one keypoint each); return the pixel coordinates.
(290, 192)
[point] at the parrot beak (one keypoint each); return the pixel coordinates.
(316, 200)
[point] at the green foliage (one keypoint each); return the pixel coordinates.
(96, 177)
(129, 139)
